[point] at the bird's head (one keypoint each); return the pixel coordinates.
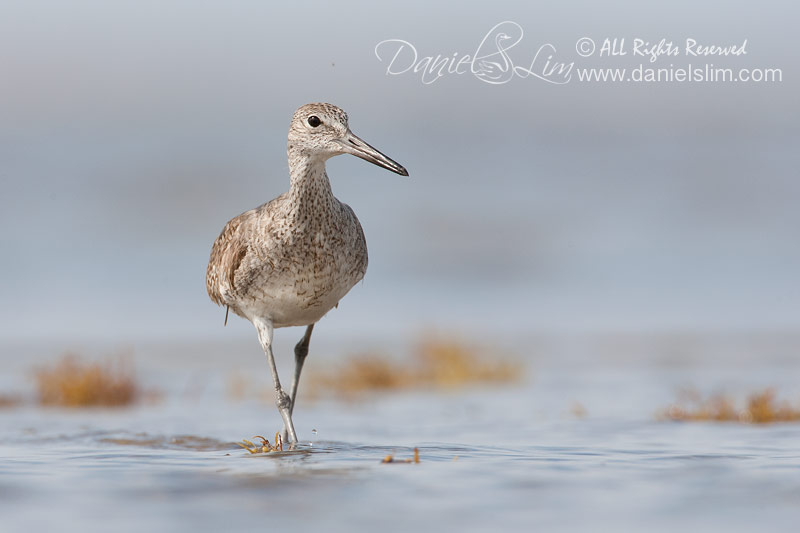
(321, 130)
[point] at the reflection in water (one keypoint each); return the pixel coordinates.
(180, 442)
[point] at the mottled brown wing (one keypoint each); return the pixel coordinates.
(227, 254)
(361, 249)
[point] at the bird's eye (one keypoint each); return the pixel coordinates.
(314, 121)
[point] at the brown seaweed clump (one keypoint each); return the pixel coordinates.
(9, 400)
(70, 382)
(761, 408)
(265, 446)
(436, 364)
(391, 459)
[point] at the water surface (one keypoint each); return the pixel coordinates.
(517, 456)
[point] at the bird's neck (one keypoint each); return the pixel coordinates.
(310, 187)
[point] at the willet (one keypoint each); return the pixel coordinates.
(290, 261)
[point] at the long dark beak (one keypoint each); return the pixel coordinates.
(352, 144)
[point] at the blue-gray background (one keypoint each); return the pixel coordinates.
(131, 131)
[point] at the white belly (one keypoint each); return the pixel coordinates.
(299, 302)
(287, 308)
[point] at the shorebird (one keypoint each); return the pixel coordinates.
(290, 261)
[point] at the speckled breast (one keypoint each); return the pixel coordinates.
(327, 260)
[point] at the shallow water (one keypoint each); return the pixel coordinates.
(510, 457)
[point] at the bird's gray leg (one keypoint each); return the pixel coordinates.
(300, 353)
(284, 403)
